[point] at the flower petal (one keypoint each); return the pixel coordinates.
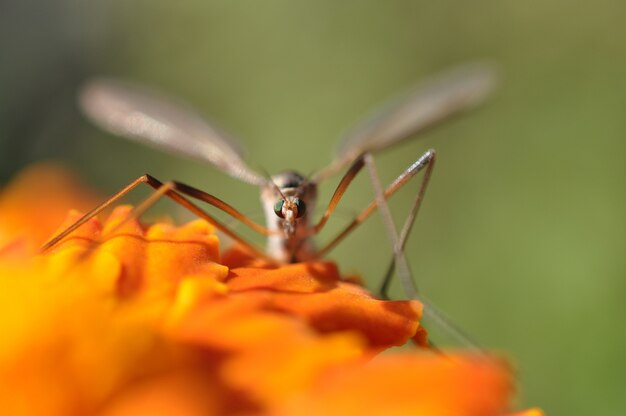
(33, 205)
(314, 291)
(409, 384)
(149, 259)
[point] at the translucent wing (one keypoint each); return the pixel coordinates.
(423, 107)
(144, 116)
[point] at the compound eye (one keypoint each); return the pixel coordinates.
(278, 208)
(301, 207)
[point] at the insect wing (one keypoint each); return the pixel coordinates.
(144, 116)
(424, 106)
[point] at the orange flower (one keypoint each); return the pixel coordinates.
(130, 319)
(35, 203)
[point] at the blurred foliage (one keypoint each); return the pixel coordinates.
(521, 239)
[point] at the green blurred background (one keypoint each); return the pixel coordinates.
(521, 238)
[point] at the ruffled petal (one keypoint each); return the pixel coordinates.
(314, 291)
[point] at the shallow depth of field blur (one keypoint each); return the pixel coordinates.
(521, 239)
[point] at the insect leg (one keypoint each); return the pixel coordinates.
(356, 167)
(118, 195)
(402, 266)
(404, 272)
(169, 189)
(428, 161)
(218, 203)
(424, 161)
(174, 189)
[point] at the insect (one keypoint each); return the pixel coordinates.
(288, 198)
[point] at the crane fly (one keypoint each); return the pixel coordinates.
(288, 198)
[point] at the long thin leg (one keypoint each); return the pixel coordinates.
(400, 181)
(218, 203)
(97, 210)
(356, 167)
(404, 271)
(406, 277)
(169, 190)
(429, 162)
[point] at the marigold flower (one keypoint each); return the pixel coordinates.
(34, 204)
(122, 319)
